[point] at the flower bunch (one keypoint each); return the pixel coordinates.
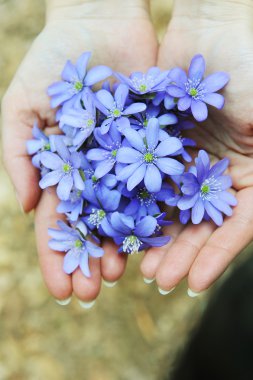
(121, 157)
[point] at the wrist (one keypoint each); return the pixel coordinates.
(223, 10)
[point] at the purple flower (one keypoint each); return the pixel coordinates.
(139, 83)
(147, 158)
(73, 207)
(73, 241)
(74, 79)
(204, 191)
(64, 170)
(164, 119)
(105, 155)
(133, 237)
(82, 120)
(114, 108)
(143, 202)
(195, 93)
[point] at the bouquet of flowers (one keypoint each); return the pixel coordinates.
(122, 159)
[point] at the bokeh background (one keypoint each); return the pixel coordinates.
(132, 332)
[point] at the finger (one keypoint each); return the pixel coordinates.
(224, 244)
(87, 288)
(176, 263)
(51, 262)
(113, 264)
(154, 255)
(17, 120)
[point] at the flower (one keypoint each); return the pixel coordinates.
(82, 120)
(73, 207)
(74, 79)
(64, 170)
(139, 83)
(133, 237)
(105, 155)
(114, 107)
(146, 159)
(204, 191)
(193, 92)
(74, 242)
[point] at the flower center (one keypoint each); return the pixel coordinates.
(96, 217)
(205, 189)
(145, 197)
(90, 123)
(143, 87)
(94, 179)
(66, 168)
(148, 158)
(116, 112)
(131, 244)
(47, 146)
(114, 153)
(145, 123)
(78, 244)
(193, 92)
(78, 86)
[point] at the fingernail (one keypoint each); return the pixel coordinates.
(164, 292)
(63, 302)
(19, 203)
(109, 284)
(192, 294)
(86, 305)
(148, 280)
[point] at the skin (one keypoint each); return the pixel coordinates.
(200, 252)
(222, 32)
(88, 26)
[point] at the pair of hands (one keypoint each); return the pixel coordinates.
(120, 34)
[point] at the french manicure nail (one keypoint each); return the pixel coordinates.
(165, 292)
(63, 302)
(109, 284)
(148, 280)
(86, 305)
(192, 294)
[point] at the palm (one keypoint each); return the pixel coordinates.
(119, 42)
(203, 252)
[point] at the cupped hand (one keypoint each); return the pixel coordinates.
(120, 35)
(203, 252)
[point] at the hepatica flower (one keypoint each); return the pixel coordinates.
(78, 249)
(147, 158)
(139, 83)
(114, 107)
(204, 191)
(64, 168)
(133, 237)
(193, 91)
(121, 155)
(75, 78)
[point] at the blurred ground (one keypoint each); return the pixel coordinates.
(132, 333)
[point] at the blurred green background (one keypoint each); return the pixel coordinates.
(132, 332)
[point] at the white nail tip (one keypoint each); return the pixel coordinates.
(165, 292)
(86, 305)
(109, 284)
(148, 280)
(63, 302)
(191, 293)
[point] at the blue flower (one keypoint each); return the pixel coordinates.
(64, 170)
(139, 83)
(73, 207)
(74, 79)
(204, 191)
(82, 120)
(148, 158)
(105, 155)
(114, 108)
(75, 243)
(133, 237)
(195, 93)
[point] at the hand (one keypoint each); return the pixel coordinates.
(221, 32)
(119, 34)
